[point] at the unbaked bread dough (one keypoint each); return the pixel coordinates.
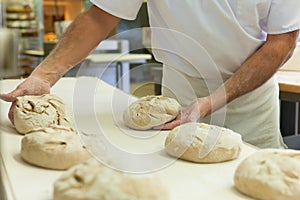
(34, 113)
(151, 111)
(53, 149)
(187, 142)
(270, 174)
(93, 181)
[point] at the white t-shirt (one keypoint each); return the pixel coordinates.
(210, 38)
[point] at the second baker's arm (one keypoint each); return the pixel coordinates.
(255, 71)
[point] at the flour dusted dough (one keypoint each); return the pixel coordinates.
(187, 142)
(151, 111)
(53, 149)
(270, 174)
(94, 181)
(34, 113)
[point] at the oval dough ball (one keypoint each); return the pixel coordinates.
(34, 113)
(53, 149)
(270, 174)
(151, 111)
(94, 181)
(187, 142)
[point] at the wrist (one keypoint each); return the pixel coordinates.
(205, 106)
(47, 74)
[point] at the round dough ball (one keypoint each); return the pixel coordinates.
(270, 174)
(54, 149)
(151, 111)
(187, 142)
(34, 113)
(93, 181)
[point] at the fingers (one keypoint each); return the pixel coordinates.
(31, 86)
(168, 126)
(11, 112)
(12, 96)
(180, 119)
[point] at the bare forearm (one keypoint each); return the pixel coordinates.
(80, 39)
(257, 69)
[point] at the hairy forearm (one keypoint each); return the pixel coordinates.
(83, 35)
(256, 70)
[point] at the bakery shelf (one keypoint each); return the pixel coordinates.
(21, 19)
(25, 10)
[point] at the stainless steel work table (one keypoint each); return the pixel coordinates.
(185, 180)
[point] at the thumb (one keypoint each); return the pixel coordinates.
(12, 96)
(168, 126)
(11, 112)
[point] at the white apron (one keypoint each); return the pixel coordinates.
(219, 48)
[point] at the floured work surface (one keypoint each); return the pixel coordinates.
(99, 111)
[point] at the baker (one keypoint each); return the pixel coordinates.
(219, 58)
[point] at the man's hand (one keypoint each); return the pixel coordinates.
(192, 113)
(31, 86)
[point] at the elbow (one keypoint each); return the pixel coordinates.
(283, 44)
(292, 44)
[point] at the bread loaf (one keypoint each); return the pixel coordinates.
(53, 149)
(94, 181)
(190, 141)
(34, 113)
(270, 174)
(151, 111)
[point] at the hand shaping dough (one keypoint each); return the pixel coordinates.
(187, 142)
(151, 111)
(34, 113)
(94, 181)
(270, 174)
(53, 149)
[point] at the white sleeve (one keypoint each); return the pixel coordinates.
(284, 16)
(124, 9)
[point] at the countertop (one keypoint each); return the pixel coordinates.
(289, 74)
(289, 81)
(98, 107)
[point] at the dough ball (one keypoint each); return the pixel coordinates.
(34, 113)
(53, 149)
(93, 181)
(151, 111)
(270, 174)
(188, 141)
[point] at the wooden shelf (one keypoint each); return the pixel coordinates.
(21, 19)
(30, 34)
(19, 27)
(25, 10)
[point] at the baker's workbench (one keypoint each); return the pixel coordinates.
(289, 85)
(289, 77)
(98, 108)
